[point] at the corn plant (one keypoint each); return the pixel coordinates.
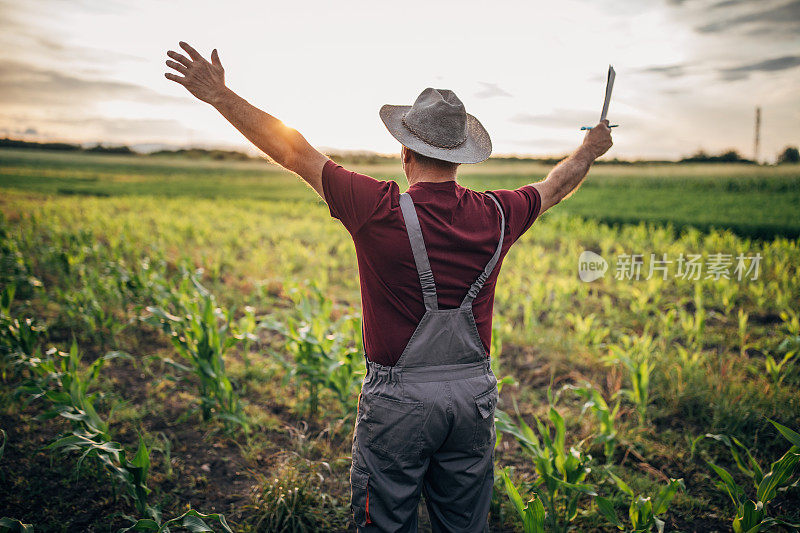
(729, 296)
(777, 370)
(751, 514)
(89, 308)
(667, 326)
(606, 433)
(634, 356)
(323, 353)
(15, 268)
(17, 337)
(12, 525)
(791, 322)
(246, 332)
(6, 297)
(60, 380)
(693, 324)
(201, 333)
(561, 472)
(531, 513)
(496, 349)
(63, 384)
(742, 319)
(644, 513)
(192, 520)
(131, 474)
(588, 329)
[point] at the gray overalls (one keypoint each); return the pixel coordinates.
(427, 423)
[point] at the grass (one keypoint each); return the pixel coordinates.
(89, 259)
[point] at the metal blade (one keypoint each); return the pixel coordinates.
(609, 88)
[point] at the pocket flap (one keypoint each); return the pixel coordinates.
(359, 478)
(486, 402)
(359, 496)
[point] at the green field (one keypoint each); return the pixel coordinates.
(752, 201)
(237, 383)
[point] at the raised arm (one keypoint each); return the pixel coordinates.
(206, 81)
(567, 176)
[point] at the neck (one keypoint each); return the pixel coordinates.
(429, 175)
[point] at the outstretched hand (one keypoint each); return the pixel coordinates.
(205, 80)
(598, 139)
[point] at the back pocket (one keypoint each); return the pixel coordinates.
(485, 404)
(394, 427)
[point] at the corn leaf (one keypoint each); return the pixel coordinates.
(533, 518)
(733, 490)
(607, 509)
(621, 484)
(779, 475)
(513, 493)
(791, 436)
(665, 496)
(194, 521)
(11, 525)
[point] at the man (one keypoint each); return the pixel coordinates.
(428, 261)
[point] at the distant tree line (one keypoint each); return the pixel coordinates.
(67, 147)
(202, 153)
(729, 156)
(194, 153)
(789, 154)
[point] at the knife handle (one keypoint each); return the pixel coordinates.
(590, 127)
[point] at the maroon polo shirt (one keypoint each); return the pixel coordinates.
(460, 227)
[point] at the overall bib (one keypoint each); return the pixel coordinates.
(426, 425)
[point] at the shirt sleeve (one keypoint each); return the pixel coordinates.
(521, 207)
(352, 197)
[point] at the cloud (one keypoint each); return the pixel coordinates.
(557, 119)
(668, 71)
(768, 65)
(779, 18)
(543, 144)
(106, 129)
(728, 3)
(25, 84)
(137, 128)
(491, 90)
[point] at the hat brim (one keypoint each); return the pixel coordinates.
(476, 148)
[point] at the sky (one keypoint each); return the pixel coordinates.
(689, 72)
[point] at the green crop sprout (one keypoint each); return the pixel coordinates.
(562, 471)
(201, 333)
(606, 417)
(643, 513)
(324, 354)
(751, 514)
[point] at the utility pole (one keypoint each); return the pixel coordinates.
(757, 139)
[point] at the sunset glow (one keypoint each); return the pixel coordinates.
(690, 74)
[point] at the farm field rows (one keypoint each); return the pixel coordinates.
(198, 321)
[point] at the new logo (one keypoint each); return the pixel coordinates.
(591, 266)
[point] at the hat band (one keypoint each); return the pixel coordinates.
(426, 141)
